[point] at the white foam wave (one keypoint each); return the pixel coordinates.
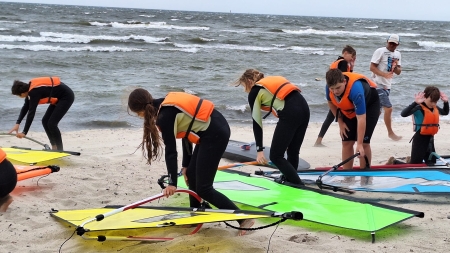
(344, 33)
(190, 91)
(240, 108)
(151, 25)
(76, 38)
(147, 16)
(371, 27)
(69, 49)
(229, 47)
(433, 44)
(205, 39)
(4, 29)
(26, 31)
(186, 50)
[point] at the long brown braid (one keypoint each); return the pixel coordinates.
(250, 74)
(140, 100)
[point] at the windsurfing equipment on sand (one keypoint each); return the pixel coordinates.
(26, 172)
(114, 218)
(316, 205)
(33, 156)
(245, 152)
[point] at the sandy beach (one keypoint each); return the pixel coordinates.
(111, 171)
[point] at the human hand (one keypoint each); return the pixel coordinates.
(343, 129)
(444, 97)
(15, 129)
(260, 158)
(183, 171)
(419, 98)
(169, 190)
(360, 149)
(389, 74)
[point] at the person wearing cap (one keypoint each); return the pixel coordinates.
(384, 63)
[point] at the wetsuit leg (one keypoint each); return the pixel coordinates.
(288, 136)
(326, 124)
(205, 160)
(52, 118)
(419, 148)
(8, 178)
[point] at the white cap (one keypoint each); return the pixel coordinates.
(394, 38)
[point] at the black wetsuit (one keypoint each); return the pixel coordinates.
(342, 66)
(54, 113)
(203, 163)
(8, 178)
(422, 145)
(289, 132)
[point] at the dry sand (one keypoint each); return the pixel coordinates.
(109, 171)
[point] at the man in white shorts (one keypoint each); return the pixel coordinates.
(384, 63)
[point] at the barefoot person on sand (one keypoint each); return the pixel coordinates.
(181, 115)
(8, 181)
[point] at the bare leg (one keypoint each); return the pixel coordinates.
(248, 223)
(319, 142)
(388, 122)
(5, 202)
(347, 151)
(54, 147)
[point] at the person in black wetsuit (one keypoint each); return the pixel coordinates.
(175, 116)
(277, 95)
(43, 90)
(426, 122)
(344, 63)
(8, 181)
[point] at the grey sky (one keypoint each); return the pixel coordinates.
(383, 9)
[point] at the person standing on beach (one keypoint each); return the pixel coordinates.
(384, 63)
(43, 90)
(354, 100)
(345, 63)
(8, 181)
(277, 95)
(181, 115)
(425, 114)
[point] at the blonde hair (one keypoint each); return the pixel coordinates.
(249, 78)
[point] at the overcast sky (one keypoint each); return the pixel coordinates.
(383, 9)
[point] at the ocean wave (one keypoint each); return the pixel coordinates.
(201, 40)
(69, 49)
(151, 25)
(106, 124)
(229, 47)
(76, 38)
(4, 29)
(147, 16)
(241, 108)
(344, 33)
(433, 44)
(186, 50)
(371, 27)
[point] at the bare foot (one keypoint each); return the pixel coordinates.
(319, 145)
(395, 137)
(248, 223)
(5, 202)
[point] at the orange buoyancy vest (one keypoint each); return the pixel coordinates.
(45, 82)
(335, 65)
(2, 155)
(195, 107)
(279, 87)
(345, 105)
(430, 123)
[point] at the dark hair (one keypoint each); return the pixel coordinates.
(433, 93)
(140, 100)
(334, 76)
(19, 87)
(349, 49)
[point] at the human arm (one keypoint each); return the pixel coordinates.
(254, 100)
(376, 71)
(33, 101)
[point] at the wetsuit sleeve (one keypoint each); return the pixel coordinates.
(23, 111)
(34, 97)
(343, 65)
(255, 107)
(410, 110)
(445, 110)
(166, 123)
(187, 146)
(357, 97)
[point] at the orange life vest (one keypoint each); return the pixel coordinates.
(190, 105)
(335, 65)
(2, 155)
(430, 123)
(279, 87)
(345, 105)
(45, 82)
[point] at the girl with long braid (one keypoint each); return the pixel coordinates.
(181, 115)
